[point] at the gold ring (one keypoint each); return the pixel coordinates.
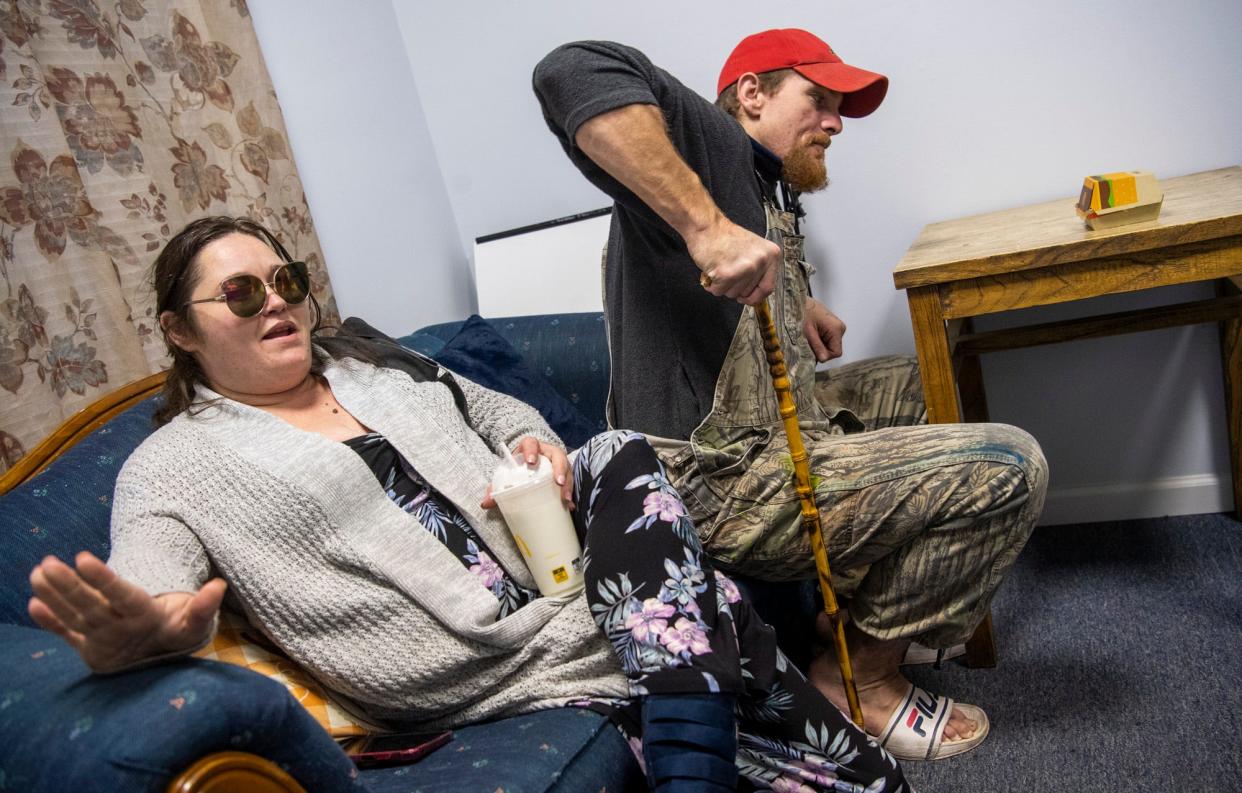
(705, 280)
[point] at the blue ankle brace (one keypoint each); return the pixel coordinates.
(690, 742)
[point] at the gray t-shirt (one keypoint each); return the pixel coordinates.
(668, 336)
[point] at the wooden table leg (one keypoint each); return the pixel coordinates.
(969, 375)
(981, 646)
(935, 366)
(1231, 354)
(940, 390)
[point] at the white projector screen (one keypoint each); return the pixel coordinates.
(547, 268)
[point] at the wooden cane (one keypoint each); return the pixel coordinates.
(810, 512)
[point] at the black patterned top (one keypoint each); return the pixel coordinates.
(437, 514)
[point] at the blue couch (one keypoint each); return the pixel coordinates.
(64, 729)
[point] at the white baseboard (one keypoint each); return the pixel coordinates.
(1177, 495)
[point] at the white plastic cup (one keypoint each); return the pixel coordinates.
(539, 520)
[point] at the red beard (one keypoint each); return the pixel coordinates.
(804, 168)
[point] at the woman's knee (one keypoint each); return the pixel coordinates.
(617, 437)
(600, 449)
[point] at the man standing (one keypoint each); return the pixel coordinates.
(926, 520)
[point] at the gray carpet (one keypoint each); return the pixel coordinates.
(1119, 665)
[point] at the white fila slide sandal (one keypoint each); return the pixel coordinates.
(916, 729)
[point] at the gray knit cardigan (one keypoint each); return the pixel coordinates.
(344, 581)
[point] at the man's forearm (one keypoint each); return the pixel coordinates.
(632, 145)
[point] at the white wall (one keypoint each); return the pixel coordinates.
(992, 105)
(372, 177)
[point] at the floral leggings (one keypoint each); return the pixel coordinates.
(679, 626)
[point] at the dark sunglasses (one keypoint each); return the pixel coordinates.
(245, 294)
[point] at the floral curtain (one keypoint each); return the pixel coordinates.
(121, 122)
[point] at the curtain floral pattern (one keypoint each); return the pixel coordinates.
(120, 123)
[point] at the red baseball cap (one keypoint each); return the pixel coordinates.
(811, 57)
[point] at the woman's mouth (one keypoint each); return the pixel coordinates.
(280, 331)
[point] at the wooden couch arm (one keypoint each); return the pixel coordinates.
(78, 426)
(234, 772)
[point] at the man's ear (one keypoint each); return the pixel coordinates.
(750, 95)
(176, 330)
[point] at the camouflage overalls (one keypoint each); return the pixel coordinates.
(921, 522)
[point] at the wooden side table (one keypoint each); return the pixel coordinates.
(1043, 254)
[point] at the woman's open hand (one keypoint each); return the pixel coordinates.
(528, 450)
(113, 623)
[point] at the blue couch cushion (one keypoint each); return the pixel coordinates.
(426, 343)
(481, 354)
(63, 728)
(66, 508)
(569, 350)
(567, 749)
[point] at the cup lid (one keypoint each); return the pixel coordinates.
(512, 474)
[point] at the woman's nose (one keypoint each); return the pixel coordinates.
(273, 302)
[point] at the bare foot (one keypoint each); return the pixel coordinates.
(877, 675)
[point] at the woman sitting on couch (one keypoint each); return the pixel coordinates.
(339, 502)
